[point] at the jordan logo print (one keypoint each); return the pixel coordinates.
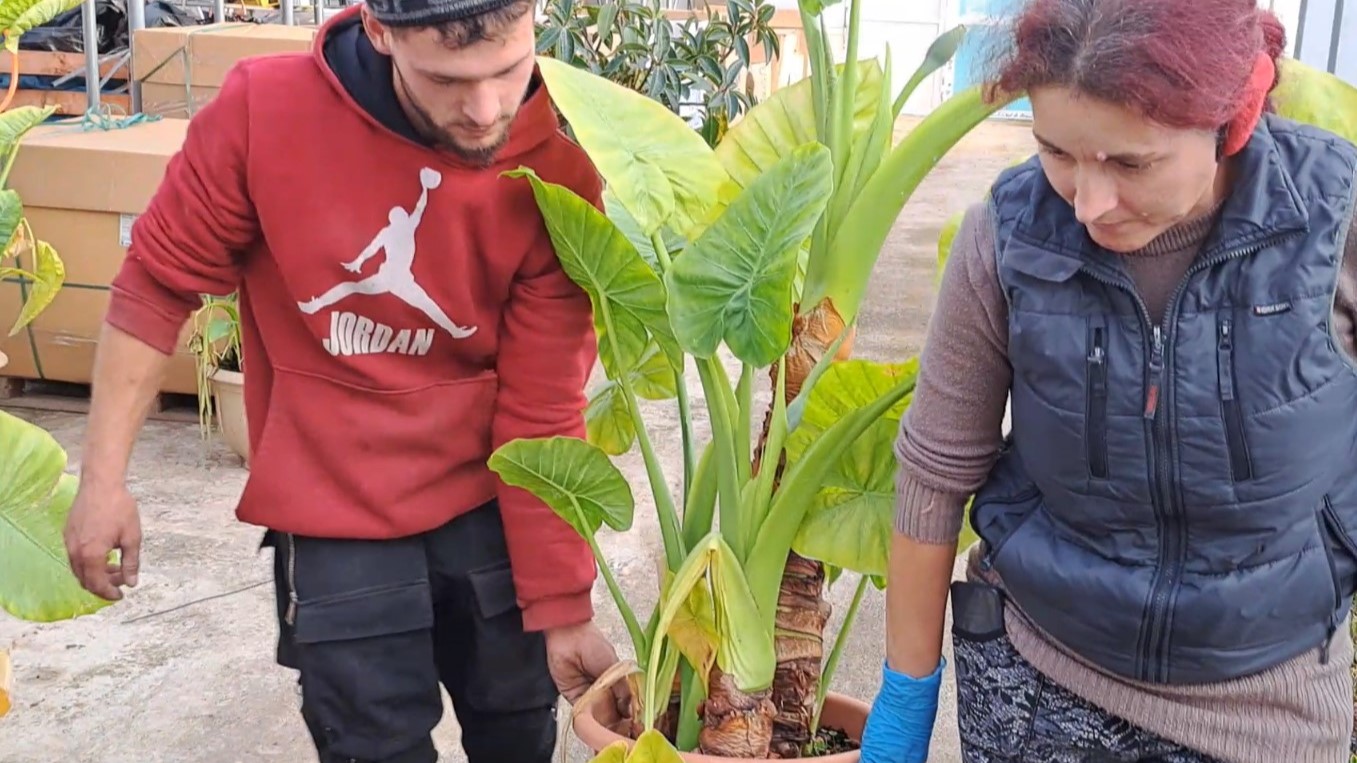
(394, 276)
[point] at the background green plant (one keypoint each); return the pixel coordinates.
(696, 67)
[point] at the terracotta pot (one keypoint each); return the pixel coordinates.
(228, 396)
(840, 712)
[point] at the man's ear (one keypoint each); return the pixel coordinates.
(377, 33)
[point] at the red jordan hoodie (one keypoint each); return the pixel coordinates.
(403, 313)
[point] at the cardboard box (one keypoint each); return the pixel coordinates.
(175, 101)
(202, 55)
(81, 192)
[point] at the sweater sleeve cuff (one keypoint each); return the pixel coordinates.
(926, 515)
(146, 310)
(558, 612)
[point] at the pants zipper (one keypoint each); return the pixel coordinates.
(291, 615)
(1240, 463)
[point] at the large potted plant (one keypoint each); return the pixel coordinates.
(754, 254)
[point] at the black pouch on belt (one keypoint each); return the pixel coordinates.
(977, 610)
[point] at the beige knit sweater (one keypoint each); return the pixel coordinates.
(1298, 712)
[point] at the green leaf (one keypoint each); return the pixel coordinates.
(816, 7)
(1315, 97)
(35, 16)
(36, 582)
(854, 250)
(734, 283)
(744, 647)
(799, 487)
(945, 239)
(850, 520)
(939, 53)
(571, 476)
(15, 122)
(613, 753)
(49, 274)
(659, 167)
(607, 420)
(627, 296)
(11, 215)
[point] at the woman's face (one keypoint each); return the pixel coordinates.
(1127, 178)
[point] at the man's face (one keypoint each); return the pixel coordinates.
(1127, 178)
(463, 98)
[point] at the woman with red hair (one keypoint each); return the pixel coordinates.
(1165, 298)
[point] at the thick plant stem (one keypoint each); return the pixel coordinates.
(801, 617)
(735, 724)
(832, 663)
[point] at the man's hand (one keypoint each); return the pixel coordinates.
(577, 655)
(104, 518)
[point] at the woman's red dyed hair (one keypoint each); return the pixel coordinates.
(1181, 63)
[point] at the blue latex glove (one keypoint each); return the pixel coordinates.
(901, 721)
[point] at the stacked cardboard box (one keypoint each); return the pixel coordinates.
(182, 68)
(81, 191)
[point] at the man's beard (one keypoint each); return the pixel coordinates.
(424, 124)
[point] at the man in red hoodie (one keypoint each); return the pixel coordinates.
(403, 314)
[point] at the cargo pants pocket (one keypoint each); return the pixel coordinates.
(359, 626)
(491, 664)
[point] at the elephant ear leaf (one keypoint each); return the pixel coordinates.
(573, 477)
(1316, 97)
(36, 582)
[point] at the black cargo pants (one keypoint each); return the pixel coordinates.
(373, 627)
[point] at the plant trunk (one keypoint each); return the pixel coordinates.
(735, 724)
(802, 610)
(801, 617)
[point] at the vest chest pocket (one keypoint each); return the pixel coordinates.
(1241, 465)
(1095, 414)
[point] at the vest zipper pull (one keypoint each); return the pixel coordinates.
(1156, 374)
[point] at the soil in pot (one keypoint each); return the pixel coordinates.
(841, 725)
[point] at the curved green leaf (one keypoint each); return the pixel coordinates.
(11, 216)
(1314, 96)
(36, 582)
(939, 53)
(628, 297)
(607, 420)
(571, 476)
(35, 15)
(613, 753)
(17, 121)
(662, 171)
(854, 250)
(652, 747)
(849, 522)
(49, 274)
(734, 283)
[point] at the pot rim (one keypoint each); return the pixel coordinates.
(226, 377)
(586, 726)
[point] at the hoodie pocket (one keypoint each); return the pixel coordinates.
(1095, 415)
(1241, 465)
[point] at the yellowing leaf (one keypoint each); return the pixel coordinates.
(652, 747)
(1316, 97)
(613, 753)
(694, 630)
(49, 274)
(6, 683)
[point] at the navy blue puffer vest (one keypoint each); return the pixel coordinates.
(1178, 501)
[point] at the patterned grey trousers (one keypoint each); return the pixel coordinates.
(1008, 712)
